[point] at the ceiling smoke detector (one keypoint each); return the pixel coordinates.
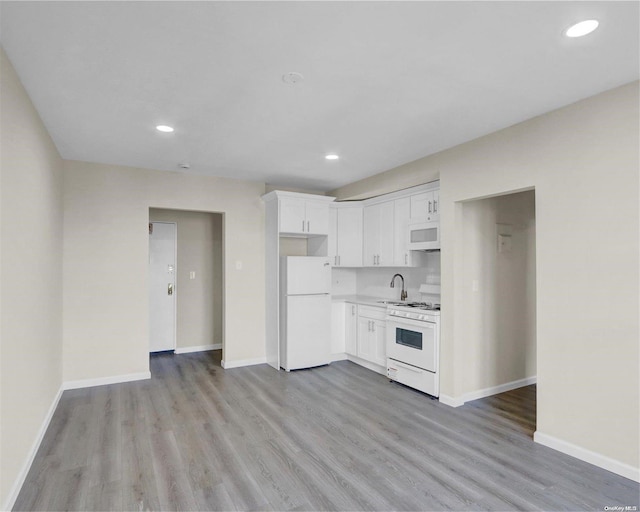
(292, 78)
(184, 166)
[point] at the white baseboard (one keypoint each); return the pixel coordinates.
(115, 379)
(615, 466)
(198, 348)
(483, 393)
(242, 362)
(450, 401)
(341, 356)
(368, 365)
(22, 475)
(494, 390)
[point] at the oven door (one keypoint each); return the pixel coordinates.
(413, 342)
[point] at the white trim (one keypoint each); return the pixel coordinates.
(198, 348)
(450, 401)
(597, 459)
(340, 356)
(242, 362)
(483, 393)
(22, 475)
(115, 379)
(507, 386)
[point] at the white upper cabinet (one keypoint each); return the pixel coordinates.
(317, 217)
(378, 234)
(402, 215)
(293, 216)
(301, 214)
(345, 235)
(425, 206)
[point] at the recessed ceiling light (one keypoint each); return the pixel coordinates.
(582, 29)
(332, 156)
(164, 128)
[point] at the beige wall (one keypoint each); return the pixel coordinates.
(582, 161)
(106, 254)
(199, 300)
(499, 326)
(31, 276)
(405, 176)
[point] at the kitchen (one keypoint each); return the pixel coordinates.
(341, 250)
(85, 274)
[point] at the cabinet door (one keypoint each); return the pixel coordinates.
(402, 213)
(332, 239)
(419, 206)
(292, 215)
(317, 218)
(349, 237)
(386, 225)
(365, 350)
(351, 329)
(371, 232)
(379, 342)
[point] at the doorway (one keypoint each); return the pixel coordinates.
(498, 294)
(199, 279)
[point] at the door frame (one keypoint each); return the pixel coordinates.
(175, 285)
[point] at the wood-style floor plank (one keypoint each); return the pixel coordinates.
(197, 437)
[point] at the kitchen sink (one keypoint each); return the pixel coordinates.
(391, 302)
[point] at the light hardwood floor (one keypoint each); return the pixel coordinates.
(197, 437)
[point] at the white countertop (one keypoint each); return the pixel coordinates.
(365, 300)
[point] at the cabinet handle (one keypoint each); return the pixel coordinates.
(339, 260)
(353, 310)
(435, 206)
(406, 258)
(429, 206)
(373, 326)
(303, 226)
(308, 230)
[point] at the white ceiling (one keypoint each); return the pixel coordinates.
(384, 83)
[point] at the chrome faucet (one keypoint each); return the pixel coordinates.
(403, 293)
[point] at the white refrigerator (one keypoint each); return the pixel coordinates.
(305, 312)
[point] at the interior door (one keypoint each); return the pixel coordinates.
(162, 286)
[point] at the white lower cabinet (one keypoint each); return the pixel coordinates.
(371, 335)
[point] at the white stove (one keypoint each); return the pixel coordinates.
(413, 345)
(414, 310)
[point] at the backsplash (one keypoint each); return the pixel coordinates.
(374, 281)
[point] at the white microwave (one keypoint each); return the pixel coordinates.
(424, 236)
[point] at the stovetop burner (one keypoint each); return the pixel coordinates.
(422, 305)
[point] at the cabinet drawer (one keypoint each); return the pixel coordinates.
(372, 312)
